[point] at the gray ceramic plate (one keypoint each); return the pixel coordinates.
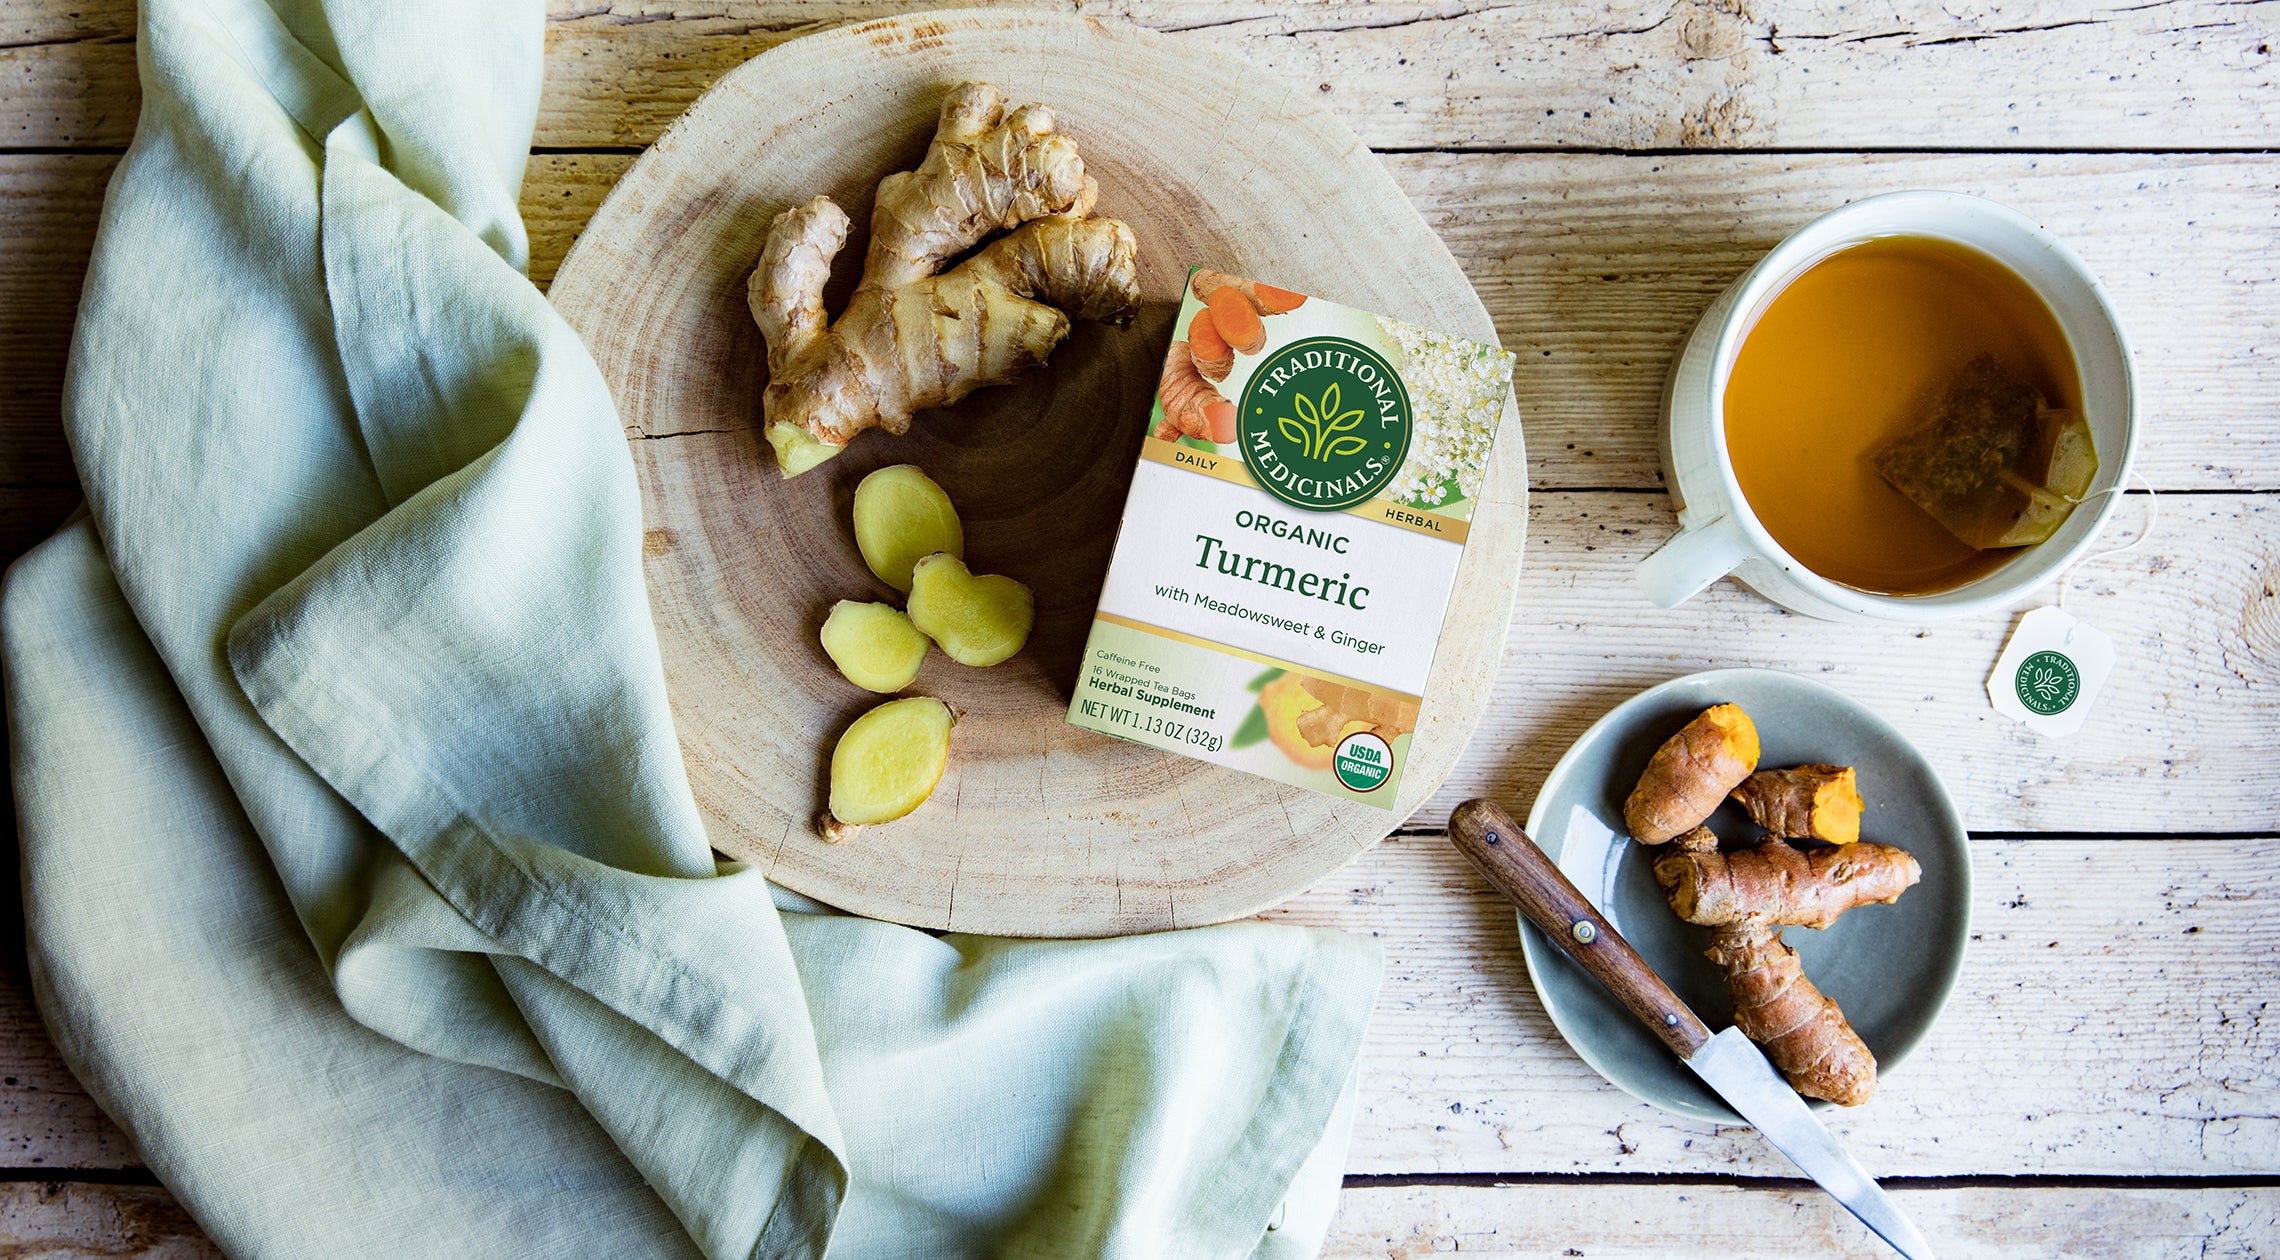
(1889, 967)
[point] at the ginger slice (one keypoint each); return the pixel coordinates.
(1775, 884)
(1809, 802)
(915, 336)
(875, 646)
(1802, 1030)
(887, 764)
(977, 620)
(901, 515)
(1691, 773)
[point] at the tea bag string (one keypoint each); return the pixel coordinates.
(2144, 532)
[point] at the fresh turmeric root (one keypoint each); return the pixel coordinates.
(1811, 802)
(1193, 406)
(1228, 322)
(1745, 898)
(1388, 717)
(1802, 1031)
(1263, 299)
(1774, 884)
(1214, 358)
(916, 336)
(1691, 773)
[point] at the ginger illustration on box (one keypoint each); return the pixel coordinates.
(1291, 537)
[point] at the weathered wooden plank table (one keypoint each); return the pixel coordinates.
(2107, 1079)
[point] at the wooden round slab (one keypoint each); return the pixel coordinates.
(1039, 828)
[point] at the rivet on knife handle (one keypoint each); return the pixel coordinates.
(1489, 838)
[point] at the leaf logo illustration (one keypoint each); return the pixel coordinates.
(1324, 423)
(1318, 438)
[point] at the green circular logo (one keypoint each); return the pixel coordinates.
(1363, 761)
(2048, 682)
(1324, 424)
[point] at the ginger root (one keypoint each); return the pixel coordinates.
(1775, 884)
(977, 620)
(887, 764)
(875, 646)
(915, 336)
(901, 515)
(1810, 802)
(1802, 1031)
(1691, 773)
(1389, 717)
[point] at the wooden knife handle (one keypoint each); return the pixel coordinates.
(1521, 871)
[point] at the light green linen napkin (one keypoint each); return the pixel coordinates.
(363, 880)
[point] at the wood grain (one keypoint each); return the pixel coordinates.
(2184, 738)
(59, 1221)
(1596, 267)
(1652, 1222)
(48, 208)
(1038, 828)
(49, 1220)
(1593, 267)
(2114, 1016)
(1436, 73)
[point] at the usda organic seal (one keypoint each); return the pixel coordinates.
(1363, 761)
(1325, 424)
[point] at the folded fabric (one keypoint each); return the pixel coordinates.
(363, 880)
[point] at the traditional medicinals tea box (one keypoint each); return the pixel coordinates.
(1291, 538)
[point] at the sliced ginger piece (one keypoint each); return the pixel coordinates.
(977, 620)
(901, 515)
(1691, 773)
(1810, 802)
(875, 646)
(887, 764)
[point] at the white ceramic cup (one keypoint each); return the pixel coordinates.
(1719, 534)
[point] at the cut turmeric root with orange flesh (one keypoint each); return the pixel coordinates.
(978, 620)
(1813, 802)
(887, 764)
(1213, 356)
(1265, 299)
(1691, 773)
(1802, 1031)
(901, 515)
(1232, 314)
(1775, 884)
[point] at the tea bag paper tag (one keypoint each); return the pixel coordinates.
(2050, 672)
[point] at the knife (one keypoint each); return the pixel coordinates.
(1728, 1062)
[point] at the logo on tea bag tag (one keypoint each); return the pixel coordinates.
(2050, 671)
(2049, 682)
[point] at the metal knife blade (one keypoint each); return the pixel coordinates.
(1733, 1065)
(1728, 1062)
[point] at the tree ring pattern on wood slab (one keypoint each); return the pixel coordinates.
(1038, 828)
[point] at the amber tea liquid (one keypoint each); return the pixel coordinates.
(1844, 358)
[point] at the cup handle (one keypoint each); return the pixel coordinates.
(1685, 566)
